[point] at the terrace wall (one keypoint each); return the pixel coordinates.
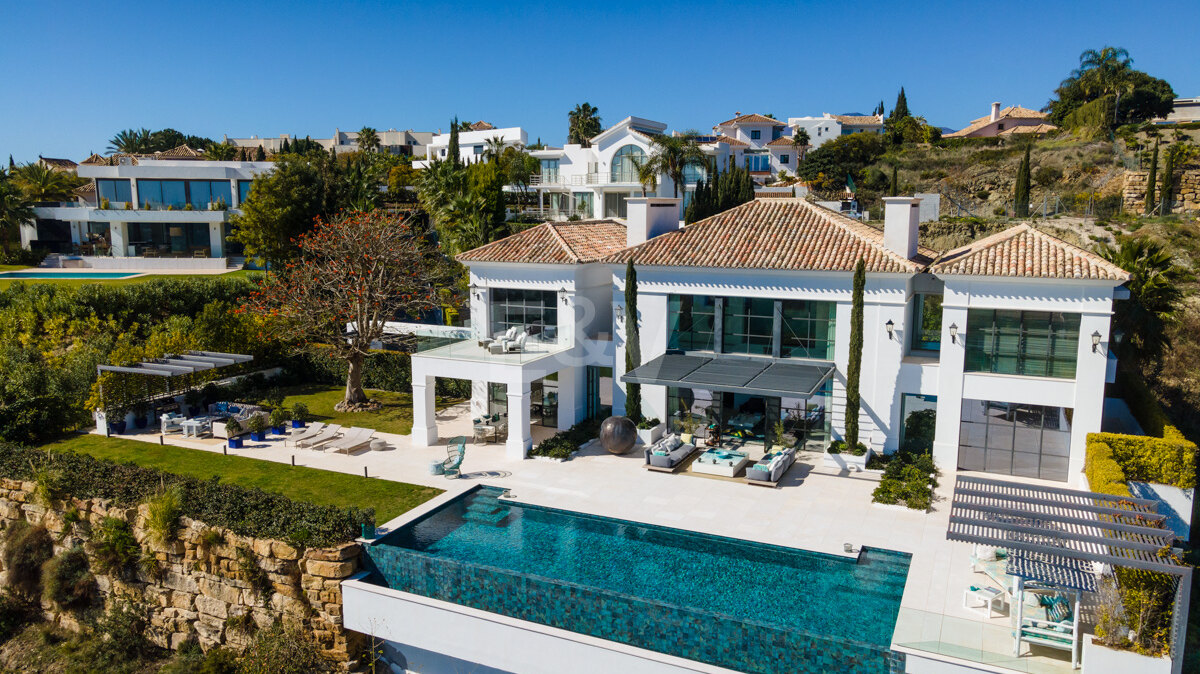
(1186, 195)
(198, 588)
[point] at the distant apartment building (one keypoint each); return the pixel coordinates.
(1008, 121)
(167, 210)
(406, 143)
(473, 143)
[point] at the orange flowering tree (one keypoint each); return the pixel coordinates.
(354, 272)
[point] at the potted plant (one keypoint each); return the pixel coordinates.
(846, 457)
(257, 427)
(1126, 641)
(687, 428)
(117, 415)
(104, 204)
(299, 415)
(649, 430)
(192, 399)
(233, 429)
(141, 413)
(279, 417)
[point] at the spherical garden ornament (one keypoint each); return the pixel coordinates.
(618, 434)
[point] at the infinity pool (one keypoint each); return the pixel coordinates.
(747, 606)
(100, 275)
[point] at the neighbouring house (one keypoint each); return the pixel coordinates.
(1001, 347)
(1187, 111)
(472, 144)
(166, 210)
(55, 164)
(1005, 122)
(858, 123)
(407, 143)
(765, 144)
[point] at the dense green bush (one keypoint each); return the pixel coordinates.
(1104, 474)
(66, 580)
(1146, 459)
(247, 512)
(562, 445)
(283, 650)
(908, 480)
(26, 549)
(116, 550)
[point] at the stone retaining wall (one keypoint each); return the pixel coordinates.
(1186, 196)
(202, 590)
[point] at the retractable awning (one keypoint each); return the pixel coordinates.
(754, 376)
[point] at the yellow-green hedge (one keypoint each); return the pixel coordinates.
(1104, 474)
(1148, 459)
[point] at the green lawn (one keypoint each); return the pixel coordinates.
(389, 499)
(395, 417)
(4, 283)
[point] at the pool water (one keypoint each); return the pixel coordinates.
(747, 606)
(66, 275)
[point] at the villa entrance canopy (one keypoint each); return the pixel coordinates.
(754, 376)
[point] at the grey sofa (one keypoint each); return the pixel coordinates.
(668, 452)
(771, 467)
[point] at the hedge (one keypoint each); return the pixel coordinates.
(562, 445)
(1146, 459)
(1104, 474)
(244, 511)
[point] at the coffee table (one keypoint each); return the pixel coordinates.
(195, 427)
(723, 462)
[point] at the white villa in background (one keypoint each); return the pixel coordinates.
(407, 142)
(169, 210)
(471, 144)
(747, 315)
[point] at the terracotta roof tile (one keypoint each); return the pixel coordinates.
(60, 164)
(860, 120)
(481, 126)
(1025, 252)
(730, 141)
(753, 119)
(1026, 128)
(181, 152)
(554, 243)
(782, 140)
(1011, 112)
(785, 234)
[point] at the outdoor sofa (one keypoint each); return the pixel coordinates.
(770, 468)
(668, 453)
(228, 410)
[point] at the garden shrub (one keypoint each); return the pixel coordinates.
(116, 550)
(163, 518)
(26, 549)
(117, 641)
(245, 511)
(562, 445)
(1146, 459)
(66, 580)
(1145, 407)
(283, 650)
(908, 480)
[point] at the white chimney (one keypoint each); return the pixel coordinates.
(901, 222)
(995, 111)
(649, 217)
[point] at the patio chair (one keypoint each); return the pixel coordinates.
(455, 451)
(303, 434)
(518, 345)
(352, 439)
(327, 434)
(170, 422)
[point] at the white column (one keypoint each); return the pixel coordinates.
(424, 427)
(950, 383)
(1090, 370)
(216, 239)
(479, 398)
(235, 194)
(571, 380)
(519, 439)
(119, 233)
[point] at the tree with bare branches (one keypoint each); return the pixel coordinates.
(354, 272)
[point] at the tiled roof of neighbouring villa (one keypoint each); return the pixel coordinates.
(554, 243)
(752, 119)
(1023, 251)
(785, 234)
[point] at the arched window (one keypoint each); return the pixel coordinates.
(625, 164)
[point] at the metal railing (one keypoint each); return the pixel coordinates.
(595, 178)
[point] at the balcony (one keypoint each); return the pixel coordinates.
(583, 180)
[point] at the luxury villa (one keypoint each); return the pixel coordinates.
(747, 315)
(146, 212)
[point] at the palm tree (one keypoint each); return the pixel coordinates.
(220, 152)
(583, 124)
(15, 209)
(494, 149)
(1155, 294)
(368, 139)
(671, 155)
(646, 174)
(41, 184)
(800, 142)
(130, 141)
(1105, 72)
(469, 223)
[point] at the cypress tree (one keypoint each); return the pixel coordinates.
(11, 164)
(854, 367)
(260, 154)
(633, 349)
(901, 110)
(286, 148)
(894, 186)
(747, 193)
(1152, 179)
(1167, 185)
(1021, 190)
(452, 149)
(333, 153)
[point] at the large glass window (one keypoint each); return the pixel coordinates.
(118, 192)
(203, 192)
(692, 173)
(758, 161)
(748, 325)
(691, 319)
(807, 329)
(918, 423)
(600, 388)
(549, 170)
(625, 164)
(162, 193)
(927, 323)
(535, 311)
(1015, 439)
(616, 205)
(243, 190)
(1031, 343)
(584, 203)
(175, 238)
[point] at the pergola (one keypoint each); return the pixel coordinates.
(175, 365)
(1056, 536)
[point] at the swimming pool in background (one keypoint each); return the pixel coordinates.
(746, 606)
(98, 275)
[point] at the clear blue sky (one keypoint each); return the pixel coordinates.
(75, 73)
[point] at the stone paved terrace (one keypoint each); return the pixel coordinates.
(815, 508)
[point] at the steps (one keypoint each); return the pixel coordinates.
(486, 509)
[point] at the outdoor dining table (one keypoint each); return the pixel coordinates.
(196, 426)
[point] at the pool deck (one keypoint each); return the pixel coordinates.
(814, 508)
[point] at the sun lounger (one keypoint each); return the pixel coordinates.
(303, 434)
(327, 434)
(351, 439)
